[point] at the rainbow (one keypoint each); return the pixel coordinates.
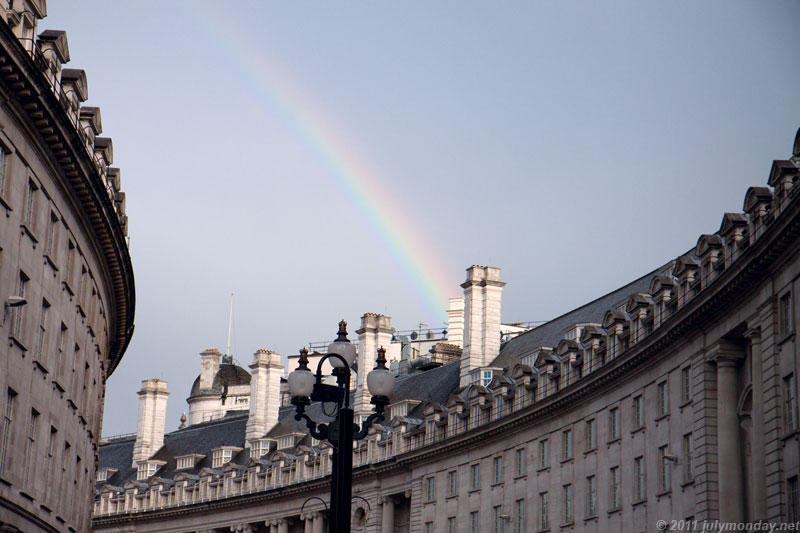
(427, 271)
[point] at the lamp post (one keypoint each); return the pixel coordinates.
(306, 387)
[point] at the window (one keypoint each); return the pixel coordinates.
(638, 413)
(452, 482)
(185, 462)
(51, 235)
(452, 423)
(29, 204)
(452, 526)
(686, 384)
(428, 527)
(220, 457)
(475, 474)
(3, 169)
(51, 453)
(544, 453)
(519, 462)
(613, 424)
(687, 458)
(591, 441)
(42, 329)
(19, 311)
(790, 395)
(615, 500)
(591, 496)
(498, 469)
(70, 261)
(785, 314)
(544, 516)
(430, 489)
(520, 512)
(638, 479)
(498, 518)
(567, 503)
(566, 439)
(7, 419)
(102, 475)
(474, 519)
(147, 469)
(663, 398)
(430, 431)
(794, 499)
(31, 441)
(498, 406)
(486, 377)
(664, 462)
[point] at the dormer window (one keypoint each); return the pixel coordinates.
(221, 456)
(401, 408)
(260, 447)
(188, 461)
(289, 441)
(147, 469)
(104, 473)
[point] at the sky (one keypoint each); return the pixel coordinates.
(321, 160)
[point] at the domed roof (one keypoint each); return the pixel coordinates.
(228, 375)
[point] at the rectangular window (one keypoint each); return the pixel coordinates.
(474, 519)
(566, 438)
(638, 479)
(567, 503)
(475, 474)
(42, 329)
(452, 423)
(520, 512)
(591, 496)
(663, 398)
(51, 235)
(70, 261)
(452, 482)
(29, 204)
(430, 431)
(498, 406)
(3, 169)
(687, 458)
(519, 462)
(220, 457)
(452, 526)
(22, 285)
(616, 498)
(785, 314)
(794, 499)
(686, 384)
(498, 518)
(7, 420)
(30, 443)
(638, 412)
(544, 511)
(51, 453)
(544, 453)
(591, 441)
(664, 463)
(428, 527)
(613, 424)
(430, 489)
(498, 469)
(474, 416)
(790, 395)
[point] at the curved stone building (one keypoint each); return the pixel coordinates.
(66, 280)
(673, 397)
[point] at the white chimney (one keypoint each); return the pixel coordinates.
(375, 331)
(482, 305)
(265, 394)
(455, 321)
(209, 366)
(152, 418)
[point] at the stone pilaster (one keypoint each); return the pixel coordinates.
(758, 503)
(387, 515)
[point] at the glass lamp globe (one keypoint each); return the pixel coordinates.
(345, 349)
(380, 382)
(301, 383)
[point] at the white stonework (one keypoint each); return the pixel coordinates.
(455, 321)
(375, 332)
(482, 305)
(152, 417)
(209, 365)
(265, 389)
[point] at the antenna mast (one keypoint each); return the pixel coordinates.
(230, 323)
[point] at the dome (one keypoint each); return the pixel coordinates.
(228, 375)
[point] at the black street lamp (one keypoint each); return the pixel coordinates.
(306, 387)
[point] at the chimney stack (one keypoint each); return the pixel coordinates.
(482, 305)
(151, 421)
(375, 331)
(209, 366)
(455, 321)
(265, 394)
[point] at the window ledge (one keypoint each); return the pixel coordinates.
(659, 418)
(520, 476)
(592, 518)
(612, 441)
(785, 337)
(451, 496)
(568, 524)
(640, 502)
(687, 483)
(51, 262)
(5, 203)
(789, 434)
(26, 495)
(637, 430)
(497, 483)
(542, 469)
(474, 490)
(661, 493)
(685, 403)
(567, 460)
(38, 364)
(15, 340)
(5, 481)
(615, 510)
(590, 450)
(68, 288)
(29, 232)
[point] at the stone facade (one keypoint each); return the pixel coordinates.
(672, 398)
(66, 278)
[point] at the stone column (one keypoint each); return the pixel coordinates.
(319, 523)
(758, 505)
(387, 522)
(272, 525)
(283, 526)
(308, 525)
(731, 500)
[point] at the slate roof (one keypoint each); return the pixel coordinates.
(551, 333)
(434, 385)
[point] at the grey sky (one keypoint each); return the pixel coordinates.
(577, 145)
